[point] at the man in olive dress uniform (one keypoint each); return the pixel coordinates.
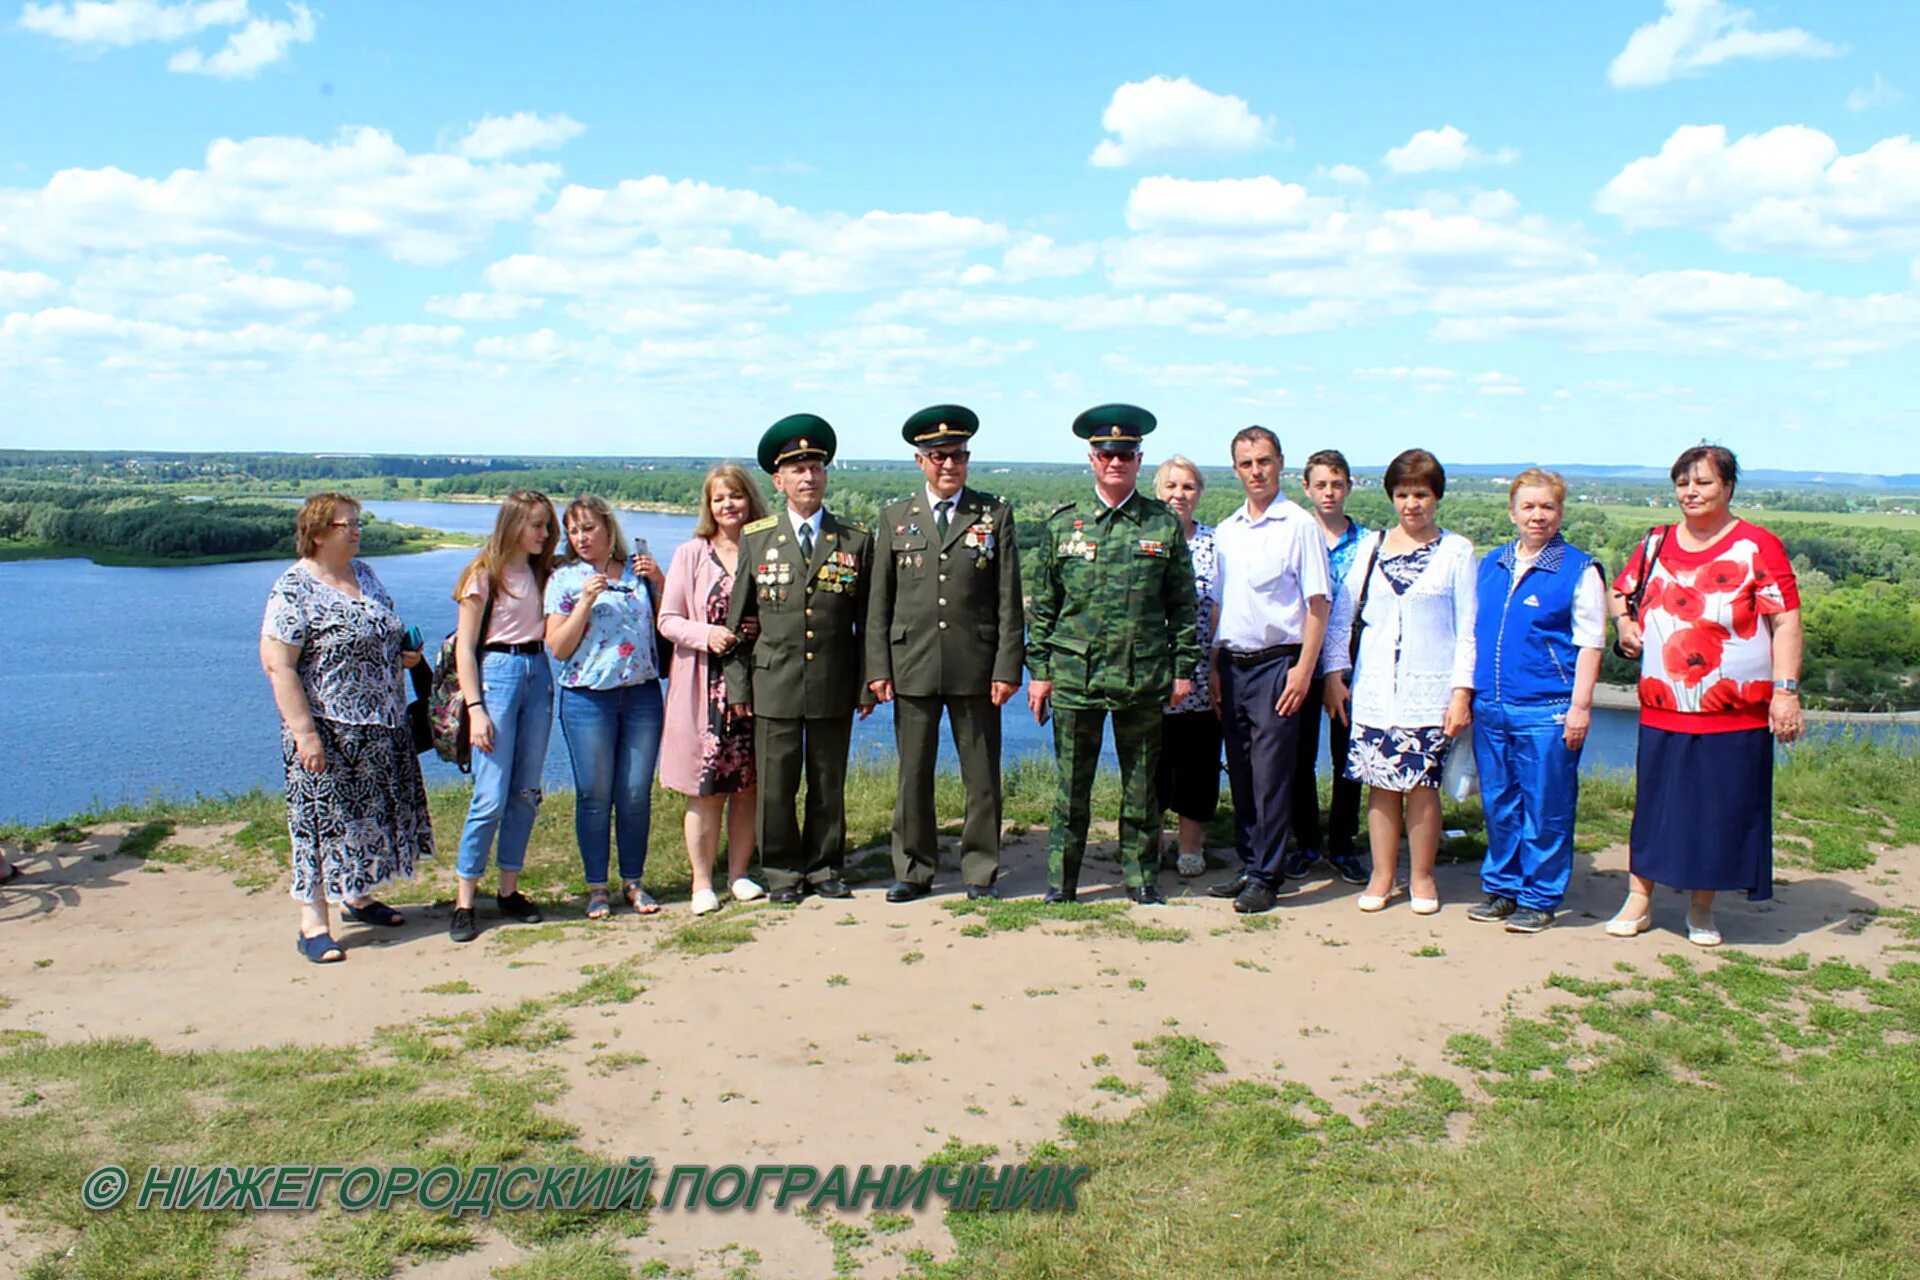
(1111, 622)
(944, 631)
(803, 574)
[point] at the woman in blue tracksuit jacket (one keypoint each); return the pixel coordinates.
(1540, 628)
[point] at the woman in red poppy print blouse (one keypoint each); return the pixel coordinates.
(1717, 632)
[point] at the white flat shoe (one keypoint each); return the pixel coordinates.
(704, 901)
(1620, 927)
(745, 890)
(1371, 902)
(1702, 935)
(1426, 906)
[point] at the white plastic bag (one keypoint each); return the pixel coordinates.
(1460, 775)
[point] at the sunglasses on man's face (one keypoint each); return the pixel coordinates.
(946, 459)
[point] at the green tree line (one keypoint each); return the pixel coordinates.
(154, 526)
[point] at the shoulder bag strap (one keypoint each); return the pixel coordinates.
(1360, 605)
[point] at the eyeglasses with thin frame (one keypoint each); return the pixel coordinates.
(345, 524)
(947, 459)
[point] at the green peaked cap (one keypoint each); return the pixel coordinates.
(798, 435)
(1119, 426)
(940, 424)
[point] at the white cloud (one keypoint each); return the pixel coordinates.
(120, 23)
(1789, 188)
(1405, 373)
(482, 306)
(102, 24)
(360, 191)
(495, 137)
(1877, 94)
(26, 289)
(260, 43)
(202, 291)
(1213, 374)
(1351, 175)
(1037, 257)
(1164, 120)
(1442, 150)
(1225, 204)
(1695, 35)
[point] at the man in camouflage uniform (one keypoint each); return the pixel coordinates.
(803, 574)
(1111, 621)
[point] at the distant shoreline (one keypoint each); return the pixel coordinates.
(1614, 697)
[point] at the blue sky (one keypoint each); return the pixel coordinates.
(1564, 233)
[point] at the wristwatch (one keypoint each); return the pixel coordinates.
(1787, 686)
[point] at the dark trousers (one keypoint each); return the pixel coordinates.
(1261, 744)
(1343, 813)
(976, 740)
(784, 750)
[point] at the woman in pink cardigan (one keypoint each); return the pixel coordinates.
(705, 754)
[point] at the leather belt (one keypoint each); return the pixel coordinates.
(1260, 657)
(525, 646)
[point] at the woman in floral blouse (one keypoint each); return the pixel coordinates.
(356, 804)
(1715, 622)
(1188, 782)
(600, 625)
(708, 754)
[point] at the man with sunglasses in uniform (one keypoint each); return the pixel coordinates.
(944, 631)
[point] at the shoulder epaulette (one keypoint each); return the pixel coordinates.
(854, 525)
(1068, 505)
(764, 522)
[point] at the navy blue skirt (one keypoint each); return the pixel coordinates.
(1703, 810)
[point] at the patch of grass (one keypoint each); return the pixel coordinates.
(1429, 952)
(836, 979)
(1114, 1084)
(606, 1064)
(913, 957)
(1733, 1113)
(571, 1260)
(457, 987)
(145, 839)
(720, 932)
(907, 1057)
(1013, 916)
(607, 984)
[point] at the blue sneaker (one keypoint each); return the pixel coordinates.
(1351, 867)
(1298, 863)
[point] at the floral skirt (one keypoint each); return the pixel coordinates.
(362, 820)
(1396, 759)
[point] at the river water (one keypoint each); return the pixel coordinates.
(122, 684)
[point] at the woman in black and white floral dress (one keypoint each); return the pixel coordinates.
(356, 803)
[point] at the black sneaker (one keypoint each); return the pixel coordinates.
(1528, 920)
(1298, 863)
(463, 928)
(1496, 907)
(1351, 867)
(520, 907)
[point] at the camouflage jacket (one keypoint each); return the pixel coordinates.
(1112, 615)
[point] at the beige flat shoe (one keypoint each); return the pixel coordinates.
(1623, 927)
(1371, 902)
(1426, 906)
(1702, 935)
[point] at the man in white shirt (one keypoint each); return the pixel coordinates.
(1271, 593)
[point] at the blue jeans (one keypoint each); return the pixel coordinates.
(518, 691)
(613, 736)
(1529, 789)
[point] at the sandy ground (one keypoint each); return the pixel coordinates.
(754, 1056)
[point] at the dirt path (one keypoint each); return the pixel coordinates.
(860, 1032)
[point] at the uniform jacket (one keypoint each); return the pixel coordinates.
(944, 615)
(1112, 616)
(809, 659)
(1523, 639)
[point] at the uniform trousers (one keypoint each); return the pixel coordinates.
(1261, 746)
(786, 749)
(1343, 812)
(1076, 747)
(975, 723)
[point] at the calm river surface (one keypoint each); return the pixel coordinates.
(123, 684)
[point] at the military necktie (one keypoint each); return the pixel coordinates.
(806, 541)
(940, 515)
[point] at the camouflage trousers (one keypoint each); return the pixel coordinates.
(1076, 749)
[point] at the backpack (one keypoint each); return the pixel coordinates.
(446, 707)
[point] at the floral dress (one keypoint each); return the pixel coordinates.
(726, 746)
(1399, 758)
(362, 820)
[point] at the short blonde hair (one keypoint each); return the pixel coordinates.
(316, 517)
(1179, 462)
(735, 477)
(1537, 478)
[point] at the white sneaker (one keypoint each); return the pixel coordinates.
(745, 890)
(704, 901)
(1190, 864)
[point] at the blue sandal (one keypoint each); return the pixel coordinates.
(315, 949)
(375, 912)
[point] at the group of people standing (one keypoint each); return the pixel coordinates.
(774, 630)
